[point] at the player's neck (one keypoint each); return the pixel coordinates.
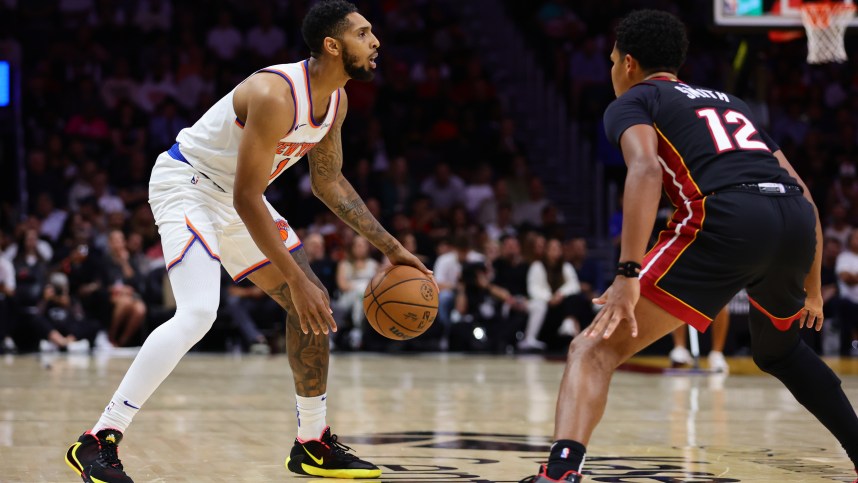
(669, 75)
(325, 77)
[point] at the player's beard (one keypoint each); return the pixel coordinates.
(355, 71)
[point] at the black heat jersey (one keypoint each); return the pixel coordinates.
(707, 140)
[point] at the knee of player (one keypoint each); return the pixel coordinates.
(200, 313)
(585, 351)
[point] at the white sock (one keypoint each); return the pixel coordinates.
(117, 415)
(311, 416)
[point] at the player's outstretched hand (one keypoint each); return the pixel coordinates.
(313, 307)
(811, 315)
(619, 304)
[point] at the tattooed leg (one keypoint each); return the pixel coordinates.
(308, 353)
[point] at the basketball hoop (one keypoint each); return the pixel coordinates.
(825, 23)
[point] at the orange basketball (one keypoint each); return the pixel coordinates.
(400, 302)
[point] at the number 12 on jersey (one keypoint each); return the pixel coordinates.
(741, 137)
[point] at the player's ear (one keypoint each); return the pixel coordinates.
(332, 46)
(629, 63)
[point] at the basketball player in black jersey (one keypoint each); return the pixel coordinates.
(743, 219)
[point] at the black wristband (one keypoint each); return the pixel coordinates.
(629, 269)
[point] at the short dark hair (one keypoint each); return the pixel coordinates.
(656, 39)
(326, 18)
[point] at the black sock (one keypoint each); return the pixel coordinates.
(565, 455)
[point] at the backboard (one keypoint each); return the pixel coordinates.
(777, 14)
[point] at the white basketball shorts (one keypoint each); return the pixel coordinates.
(189, 208)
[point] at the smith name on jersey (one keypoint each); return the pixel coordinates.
(707, 140)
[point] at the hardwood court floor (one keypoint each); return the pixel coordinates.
(432, 418)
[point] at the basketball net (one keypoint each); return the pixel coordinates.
(826, 24)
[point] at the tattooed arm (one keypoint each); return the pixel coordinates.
(264, 102)
(335, 191)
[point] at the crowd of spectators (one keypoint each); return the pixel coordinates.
(107, 84)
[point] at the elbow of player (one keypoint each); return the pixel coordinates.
(645, 167)
(242, 202)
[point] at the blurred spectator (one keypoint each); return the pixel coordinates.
(82, 186)
(444, 188)
(479, 191)
(550, 284)
(224, 40)
(123, 283)
(846, 268)
(448, 272)
(530, 211)
(133, 184)
(51, 219)
(153, 15)
(28, 241)
(838, 224)
(265, 39)
(844, 189)
(58, 321)
(502, 226)
(589, 68)
(40, 178)
(790, 127)
(398, 187)
(323, 267)
(589, 272)
(510, 273)
(362, 179)
(158, 85)
(88, 125)
(119, 86)
(106, 200)
(165, 124)
(353, 275)
(128, 133)
(551, 223)
(7, 306)
(31, 271)
(489, 208)
(830, 297)
(246, 304)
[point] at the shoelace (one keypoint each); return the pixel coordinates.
(340, 449)
(529, 479)
(108, 455)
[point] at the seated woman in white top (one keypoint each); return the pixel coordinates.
(353, 274)
(550, 283)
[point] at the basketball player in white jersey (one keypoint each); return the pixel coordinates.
(207, 196)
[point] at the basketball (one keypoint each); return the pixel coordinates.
(400, 302)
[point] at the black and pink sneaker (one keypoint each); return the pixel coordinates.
(570, 476)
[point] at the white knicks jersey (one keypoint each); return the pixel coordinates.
(211, 144)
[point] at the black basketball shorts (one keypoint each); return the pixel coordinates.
(715, 246)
